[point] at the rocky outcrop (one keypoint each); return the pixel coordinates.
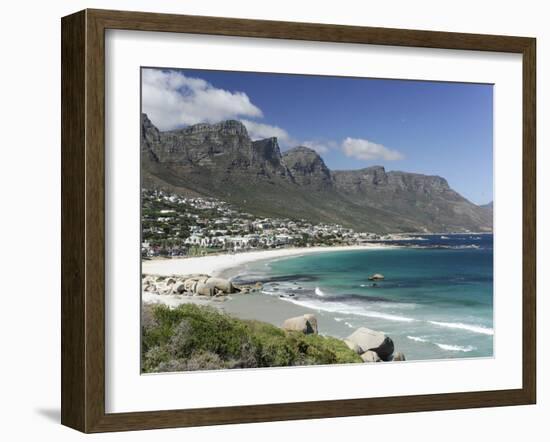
(267, 154)
(308, 168)
(193, 285)
(370, 345)
(306, 324)
(221, 284)
(220, 160)
(378, 342)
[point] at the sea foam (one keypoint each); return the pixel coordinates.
(337, 307)
(449, 347)
(417, 339)
(319, 292)
(460, 325)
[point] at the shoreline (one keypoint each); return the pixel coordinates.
(217, 265)
(417, 336)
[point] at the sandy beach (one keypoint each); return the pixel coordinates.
(340, 295)
(216, 264)
(258, 306)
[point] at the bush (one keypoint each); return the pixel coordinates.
(192, 337)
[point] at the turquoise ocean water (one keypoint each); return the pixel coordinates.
(436, 300)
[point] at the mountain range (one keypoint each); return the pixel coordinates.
(221, 161)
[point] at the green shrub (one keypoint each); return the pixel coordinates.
(192, 337)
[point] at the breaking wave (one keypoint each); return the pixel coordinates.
(449, 347)
(319, 292)
(461, 326)
(417, 339)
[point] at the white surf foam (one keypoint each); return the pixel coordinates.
(338, 307)
(417, 339)
(460, 325)
(449, 347)
(319, 292)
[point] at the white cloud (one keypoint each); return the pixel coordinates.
(172, 99)
(258, 131)
(362, 149)
(320, 146)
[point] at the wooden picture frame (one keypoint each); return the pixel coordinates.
(83, 220)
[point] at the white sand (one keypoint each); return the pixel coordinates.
(214, 265)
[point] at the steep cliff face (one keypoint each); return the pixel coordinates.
(308, 168)
(266, 154)
(215, 145)
(220, 160)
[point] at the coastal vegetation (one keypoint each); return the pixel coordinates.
(195, 337)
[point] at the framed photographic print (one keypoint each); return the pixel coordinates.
(270, 220)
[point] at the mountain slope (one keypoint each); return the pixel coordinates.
(220, 160)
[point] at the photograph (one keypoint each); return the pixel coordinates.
(301, 220)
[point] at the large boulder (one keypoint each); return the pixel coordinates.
(190, 284)
(369, 339)
(204, 289)
(306, 324)
(150, 288)
(178, 287)
(223, 285)
(370, 356)
(312, 321)
(147, 280)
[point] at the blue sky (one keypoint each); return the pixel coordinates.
(435, 128)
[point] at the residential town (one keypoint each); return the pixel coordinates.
(173, 225)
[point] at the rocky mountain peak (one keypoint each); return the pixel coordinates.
(307, 167)
(228, 127)
(266, 154)
(418, 182)
(267, 148)
(220, 160)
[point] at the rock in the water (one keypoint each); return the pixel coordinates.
(398, 356)
(306, 324)
(369, 339)
(353, 346)
(376, 277)
(370, 356)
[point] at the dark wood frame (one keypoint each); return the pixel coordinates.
(83, 217)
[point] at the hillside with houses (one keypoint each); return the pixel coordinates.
(173, 225)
